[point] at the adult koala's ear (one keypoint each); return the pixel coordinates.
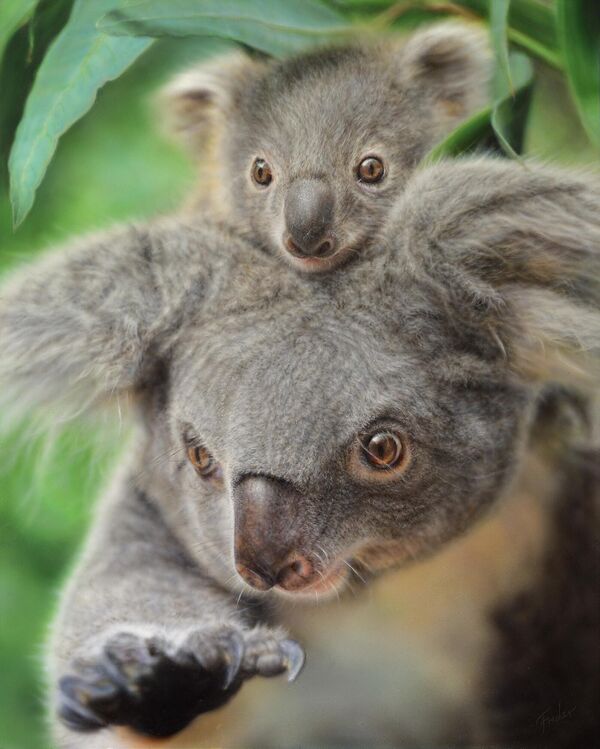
(513, 249)
(90, 321)
(451, 64)
(196, 100)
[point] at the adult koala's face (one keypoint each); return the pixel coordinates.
(320, 436)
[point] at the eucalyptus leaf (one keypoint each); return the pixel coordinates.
(509, 113)
(578, 23)
(22, 57)
(272, 26)
(531, 25)
(466, 137)
(499, 35)
(79, 62)
(13, 14)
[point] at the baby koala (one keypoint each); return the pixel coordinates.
(306, 156)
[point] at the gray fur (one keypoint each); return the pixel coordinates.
(482, 295)
(314, 117)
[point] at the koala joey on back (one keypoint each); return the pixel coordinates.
(296, 435)
(307, 155)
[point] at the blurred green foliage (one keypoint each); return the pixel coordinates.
(112, 165)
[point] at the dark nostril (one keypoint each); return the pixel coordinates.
(259, 580)
(325, 248)
(293, 248)
(322, 250)
(295, 574)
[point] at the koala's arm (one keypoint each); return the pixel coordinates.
(80, 323)
(145, 639)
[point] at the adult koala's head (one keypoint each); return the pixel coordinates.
(299, 428)
(308, 154)
(339, 428)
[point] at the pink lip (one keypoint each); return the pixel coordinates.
(316, 264)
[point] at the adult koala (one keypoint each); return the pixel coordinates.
(296, 433)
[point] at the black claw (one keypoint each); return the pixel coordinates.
(294, 658)
(78, 719)
(157, 692)
(235, 649)
(72, 711)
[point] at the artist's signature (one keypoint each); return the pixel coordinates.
(549, 717)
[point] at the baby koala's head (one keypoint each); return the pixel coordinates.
(306, 155)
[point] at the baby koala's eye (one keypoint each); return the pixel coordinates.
(383, 450)
(204, 463)
(262, 173)
(370, 170)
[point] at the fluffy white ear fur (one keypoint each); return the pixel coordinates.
(452, 62)
(192, 100)
(558, 339)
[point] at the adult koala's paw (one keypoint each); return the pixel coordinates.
(157, 687)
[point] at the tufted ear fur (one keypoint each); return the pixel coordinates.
(195, 99)
(451, 64)
(514, 247)
(90, 321)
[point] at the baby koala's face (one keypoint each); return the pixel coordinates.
(318, 153)
(307, 155)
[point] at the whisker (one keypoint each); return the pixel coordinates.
(360, 577)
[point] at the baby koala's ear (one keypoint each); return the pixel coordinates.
(197, 98)
(451, 63)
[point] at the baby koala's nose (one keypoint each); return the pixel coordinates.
(308, 213)
(268, 535)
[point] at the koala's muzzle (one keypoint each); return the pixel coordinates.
(269, 536)
(308, 212)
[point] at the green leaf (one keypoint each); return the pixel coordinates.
(13, 14)
(578, 24)
(272, 26)
(464, 138)
(79, 62)
(498, 32)
(22, 57)
(509, 113)
(531, 23)
(500, 124)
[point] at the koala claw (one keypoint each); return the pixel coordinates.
(72, 709)
(294, 658)
(157, 689)
(234, 657)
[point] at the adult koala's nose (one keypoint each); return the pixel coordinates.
(308, 213)
(269, 536)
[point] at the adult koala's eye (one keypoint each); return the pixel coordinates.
(204, 463)
(370, 170)
(262, 173)
(383, 450)
(379, 455)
